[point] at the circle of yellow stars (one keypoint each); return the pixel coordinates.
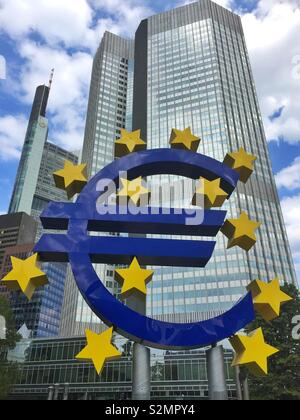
(241, 232)
(129, 142)
(99, 349)
(252, 350)
(185, 140)
(209, 194)
(268, 298)
(134, 279)
(133, 192)
(72, 178)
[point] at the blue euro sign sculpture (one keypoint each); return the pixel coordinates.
(82, 250)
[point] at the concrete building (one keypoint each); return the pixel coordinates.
(50, 371)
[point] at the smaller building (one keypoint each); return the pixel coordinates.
(50, 371)
(53, 159)
(17, 236)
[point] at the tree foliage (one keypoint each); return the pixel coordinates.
(283, 381)
(8, 371)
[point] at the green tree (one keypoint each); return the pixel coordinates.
(8, 371)
(283, 381)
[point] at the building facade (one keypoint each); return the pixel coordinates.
(195, 71)
(53, 158)
(109, 110)
(28, 170)
(50, 370)
(17, 236)
(191, 68)
(34, 189)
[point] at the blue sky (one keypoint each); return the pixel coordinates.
(36, 36)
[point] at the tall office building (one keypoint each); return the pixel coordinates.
(109, 110)
(36, 136)
(191, 68)
(34, 189)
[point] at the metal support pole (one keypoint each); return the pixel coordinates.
(141, 381)
(141, 373)
(246, 390)
(66, 392)
(239, 391)
(51, 393)
(56, 392)
(216, 374)
(244, 384)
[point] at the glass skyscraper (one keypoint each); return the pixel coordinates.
(34, 189)
(191, 68)
(109, 110)
(36, 136)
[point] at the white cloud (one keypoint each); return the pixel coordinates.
(12, 133)
(56, 21)
(290, 207)
(272, 34)
(289, 177)
(73, 24)
(62, 25)
(68, 97)
(126, 14)
(224, 3)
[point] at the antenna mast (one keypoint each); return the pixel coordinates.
(51, 78)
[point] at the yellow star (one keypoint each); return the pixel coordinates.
(99, 349)
(211, 193)
(72, 178)
(134, 279)
(133, 191)
(253, 352)
(25, 276)
(242, 162)
(241, 232)
(268, 298)
(184, 140)
(128, 143)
